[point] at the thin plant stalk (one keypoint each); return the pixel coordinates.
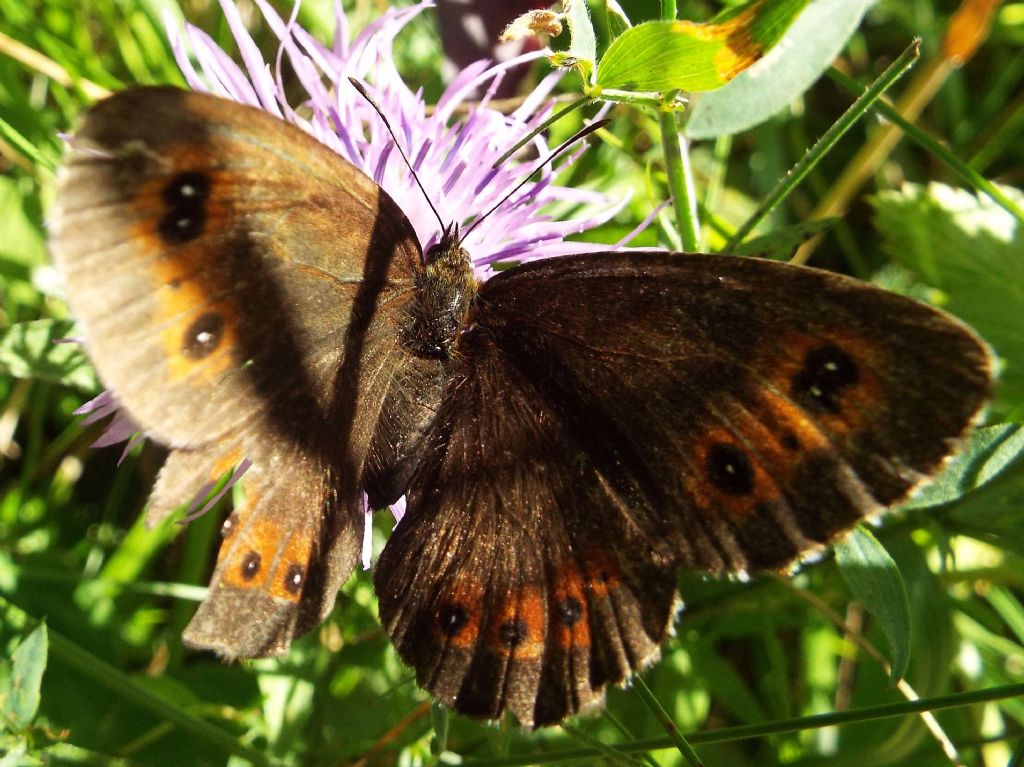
(666, 722)
(764, 729)
(919, 93)
(680, 180)
(827, 141)
(928, 142)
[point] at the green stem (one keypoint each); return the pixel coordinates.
(827, 141)
(923, 139)
(747, 731)
(680, 180)
(654, 706)
(668, 10)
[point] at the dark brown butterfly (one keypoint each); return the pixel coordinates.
(568, 434)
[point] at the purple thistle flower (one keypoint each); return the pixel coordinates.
(453, 158)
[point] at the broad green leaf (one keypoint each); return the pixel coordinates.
(934, 641)
(805, 51)
(973, 252)
(987, 455)
(994, 510)
(31, 350)
(876, 582)
(28, 662)
(663, 56)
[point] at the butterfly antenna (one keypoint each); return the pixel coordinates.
(581, 134)
(373, 103)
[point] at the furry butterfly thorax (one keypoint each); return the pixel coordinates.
(568, 434)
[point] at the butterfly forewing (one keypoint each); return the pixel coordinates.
(187, 259)
(615, 416)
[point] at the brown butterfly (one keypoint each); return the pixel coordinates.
(568, 433)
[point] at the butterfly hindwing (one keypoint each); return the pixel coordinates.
(499, 585)
(285, 552)
(616, 416)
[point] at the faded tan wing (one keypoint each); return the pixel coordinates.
(237, 284)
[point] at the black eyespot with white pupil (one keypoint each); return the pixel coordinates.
(827, 371)
(570, 611)
(293, 579)
(184, 200)
(452, 619)
(729, 469)
(203, 336)
(513, 632)
(251, 565)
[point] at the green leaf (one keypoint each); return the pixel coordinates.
(990, 452)
(582, 40)
(876, 582)
(23, 145)
(656, 56)
(31, 350)
(615, 18)
(805, 51)
(28, 662)
(973, 252)
(990, 477)
(663, 56)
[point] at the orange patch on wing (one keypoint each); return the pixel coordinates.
(737, 505)
(456, 621)
(296, 554)
(571, 629)
(241, 514)
(261, 540)
(858, 404)
(187, 277)
(520, 615)
(786, 421)
(602, 572)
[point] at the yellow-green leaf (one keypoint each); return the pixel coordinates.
(662, 56)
